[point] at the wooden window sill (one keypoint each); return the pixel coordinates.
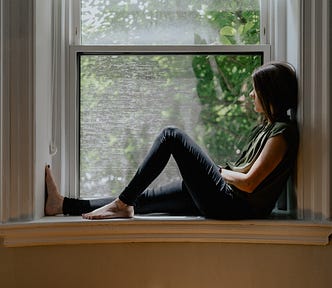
(61, 230)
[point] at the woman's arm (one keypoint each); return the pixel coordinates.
(271, 155)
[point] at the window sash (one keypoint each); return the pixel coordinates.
(77, 50)
(74, 23)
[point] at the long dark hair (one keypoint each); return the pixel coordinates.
(276, 87)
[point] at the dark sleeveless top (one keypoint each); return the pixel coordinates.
(262, 200)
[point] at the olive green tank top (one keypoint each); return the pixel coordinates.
(263, 199)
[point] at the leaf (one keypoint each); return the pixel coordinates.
(248, 27)
(224, 40)
(227, 31)
(241, 29)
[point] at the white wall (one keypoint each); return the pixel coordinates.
(17, 111)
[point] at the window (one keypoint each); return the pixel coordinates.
(143, 65)
(313, 182)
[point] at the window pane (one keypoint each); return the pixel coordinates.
(125, 101)
(170, 22)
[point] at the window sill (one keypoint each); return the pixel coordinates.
(152, 229)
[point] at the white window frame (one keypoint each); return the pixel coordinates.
(314, 189)
(278, 32)
(77, 48)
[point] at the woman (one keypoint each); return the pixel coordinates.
(249, 188)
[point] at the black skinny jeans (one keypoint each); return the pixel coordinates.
(202, 190)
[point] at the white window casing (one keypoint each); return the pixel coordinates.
(314, 169)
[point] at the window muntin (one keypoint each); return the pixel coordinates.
(125, 100)
(185, 22)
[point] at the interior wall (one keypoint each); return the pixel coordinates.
(17, 111)
(167, 265)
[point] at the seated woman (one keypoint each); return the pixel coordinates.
(249, 188)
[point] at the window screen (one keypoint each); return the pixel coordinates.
(125, 101)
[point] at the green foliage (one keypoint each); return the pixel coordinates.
(227, 114)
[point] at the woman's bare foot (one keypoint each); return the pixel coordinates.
(54, 201)
(115, 209)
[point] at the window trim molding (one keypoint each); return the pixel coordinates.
(158, 229)
(314, 201)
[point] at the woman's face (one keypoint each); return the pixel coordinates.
(257, 103)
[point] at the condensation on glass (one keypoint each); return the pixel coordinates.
(170, 22)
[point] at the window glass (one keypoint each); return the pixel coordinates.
(125, 101)
(170, 22)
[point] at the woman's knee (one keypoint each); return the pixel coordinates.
(170, 129)
(175, 138)
(172, 132)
